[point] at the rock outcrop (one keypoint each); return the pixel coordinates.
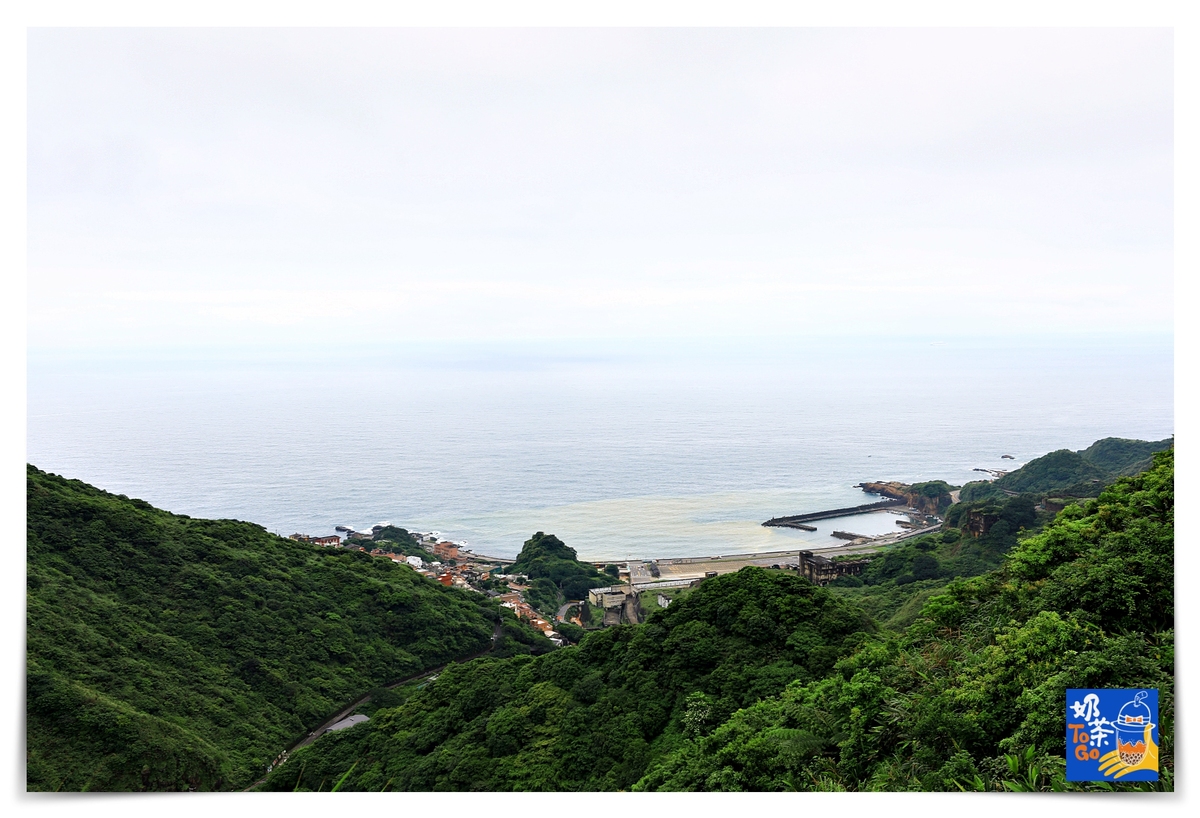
(931, 498)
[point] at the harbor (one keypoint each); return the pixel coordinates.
(798, 520)
(646, 572)
(669, 572)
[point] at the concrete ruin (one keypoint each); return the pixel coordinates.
(620, 603)
(822, 570)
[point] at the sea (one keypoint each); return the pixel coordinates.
(623, 449)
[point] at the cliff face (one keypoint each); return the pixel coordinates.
(919, 496)
(979, 523)
(898, 491)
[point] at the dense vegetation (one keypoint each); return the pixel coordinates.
(934, 493)
(984, 527)
(971, 697)
(172, 653)
(555, 573)
(761, 681)
(599, 715)
(394, 540)
(165, 652)
(899, 580)
(1072, 474)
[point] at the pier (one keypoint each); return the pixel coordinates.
(795, 520)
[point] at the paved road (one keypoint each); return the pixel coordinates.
(695, 568)
(484, 558)
(562, 612)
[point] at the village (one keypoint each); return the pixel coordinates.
(641, 586)
(453, 566)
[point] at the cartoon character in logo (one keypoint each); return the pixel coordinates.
(1136, 749)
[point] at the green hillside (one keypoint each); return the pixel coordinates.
(1125, 457)
(1076, 474)
(555, 572)
(168, 653)
(971, 697)
(165, 652)
(597, 716)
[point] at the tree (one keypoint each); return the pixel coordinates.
(925, 566)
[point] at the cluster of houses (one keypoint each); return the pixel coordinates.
(333, 539)
(449, 573)
(516, 602)
(445, 570)
(458, 568)
(454, 569)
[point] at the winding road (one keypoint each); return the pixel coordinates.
(315, 734)
(563, 610)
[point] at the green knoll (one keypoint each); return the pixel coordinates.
(165, 652)
(554, 572)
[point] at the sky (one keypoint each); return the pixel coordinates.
(208, 189)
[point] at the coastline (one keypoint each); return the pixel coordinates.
(680, 571)
(672, 527)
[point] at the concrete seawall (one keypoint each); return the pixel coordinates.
(794, 520)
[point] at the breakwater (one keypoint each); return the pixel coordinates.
(794, 520)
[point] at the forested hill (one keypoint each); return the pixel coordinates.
(555, 573)
(165, 652)
(1073, 474)
(760, 681)
(597, 716)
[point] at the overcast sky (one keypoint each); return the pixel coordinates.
(197, 188)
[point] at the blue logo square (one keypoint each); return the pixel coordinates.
(1112, 735)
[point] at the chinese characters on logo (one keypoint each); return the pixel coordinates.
(1121, 748)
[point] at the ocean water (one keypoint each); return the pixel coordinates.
(622, 450)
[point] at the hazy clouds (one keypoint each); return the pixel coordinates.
(192, 187)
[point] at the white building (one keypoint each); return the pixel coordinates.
(416, 562)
